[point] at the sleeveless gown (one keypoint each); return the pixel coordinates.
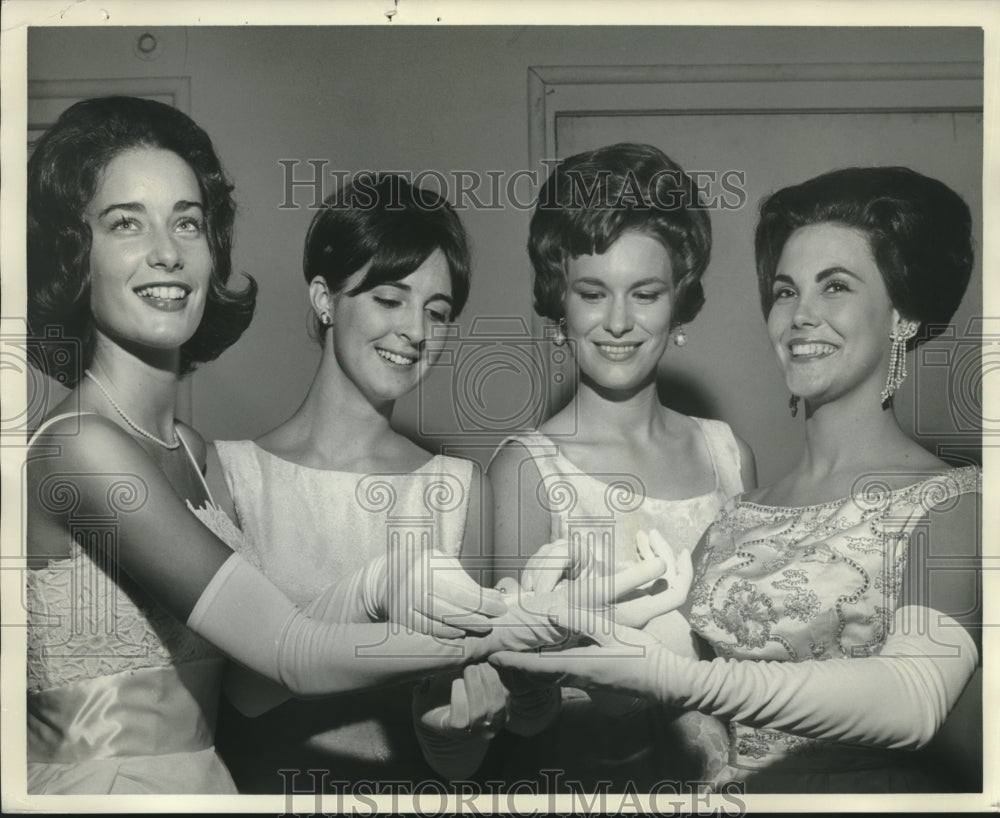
(802, 584)
(598, 738)
(122, 697)
(305, 528)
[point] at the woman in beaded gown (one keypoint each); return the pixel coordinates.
(841, 649)
(620, 277)
(134, 592)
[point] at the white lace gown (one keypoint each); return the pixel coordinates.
(122, 697)
(608, 738)
(804, 584)
(306, 528)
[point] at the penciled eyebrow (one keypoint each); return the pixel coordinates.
(646, 282)
(822, 275)
(137, 207)
(829, 271)
(399, 285)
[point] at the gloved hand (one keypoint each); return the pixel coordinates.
(667, 592)
(531, 706)
(542, 618)
(589, 583)
(922, 673)
(455, 718)
(247, 617)
(428, 591)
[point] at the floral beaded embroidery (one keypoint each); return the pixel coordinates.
(840, 566)
(809, 583)
(747, 614)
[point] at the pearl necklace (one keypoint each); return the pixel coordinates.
(135, 426)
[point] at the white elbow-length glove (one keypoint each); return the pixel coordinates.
(897, 699)
(252, 621)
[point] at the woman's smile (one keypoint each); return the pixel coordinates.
(617, 351)
(166, 297)
(396, 358)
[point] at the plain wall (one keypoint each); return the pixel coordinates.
(414, 98)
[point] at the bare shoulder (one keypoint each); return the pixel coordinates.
(952, 504)
(85, 440)
(915, 458)
(78, 465)
(508, 461)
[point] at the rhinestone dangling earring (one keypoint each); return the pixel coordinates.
(897, 359)
(559, 333)
(793, 405)
(680, 336)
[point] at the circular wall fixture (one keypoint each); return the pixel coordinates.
(148, 46)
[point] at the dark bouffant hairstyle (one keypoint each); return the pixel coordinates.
(63, 174)
(919, 229)
(592, 198)
(383, 219)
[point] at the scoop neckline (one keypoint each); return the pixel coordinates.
(647, 498)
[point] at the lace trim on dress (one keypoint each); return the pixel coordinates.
(87, 619)
(84, 623)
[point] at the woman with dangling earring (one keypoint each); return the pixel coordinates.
(841, 649)
(619, 242)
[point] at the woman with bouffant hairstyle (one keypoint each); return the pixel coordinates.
(386, 265)
(619, 242)
(64, 173)
(844, 652)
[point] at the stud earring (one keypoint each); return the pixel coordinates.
(325, 319)
(897, 359)
(559, 334)
(680, 336)
(793, 405)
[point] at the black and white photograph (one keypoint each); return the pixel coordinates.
(418, 406)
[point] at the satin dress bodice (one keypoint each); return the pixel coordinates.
(798, 584)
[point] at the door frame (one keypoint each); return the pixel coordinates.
(556, 91)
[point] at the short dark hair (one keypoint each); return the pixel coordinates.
(63, 174)
(919, 230)
(592, 198)
(383, 219)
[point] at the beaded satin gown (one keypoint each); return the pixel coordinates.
(805, 584)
